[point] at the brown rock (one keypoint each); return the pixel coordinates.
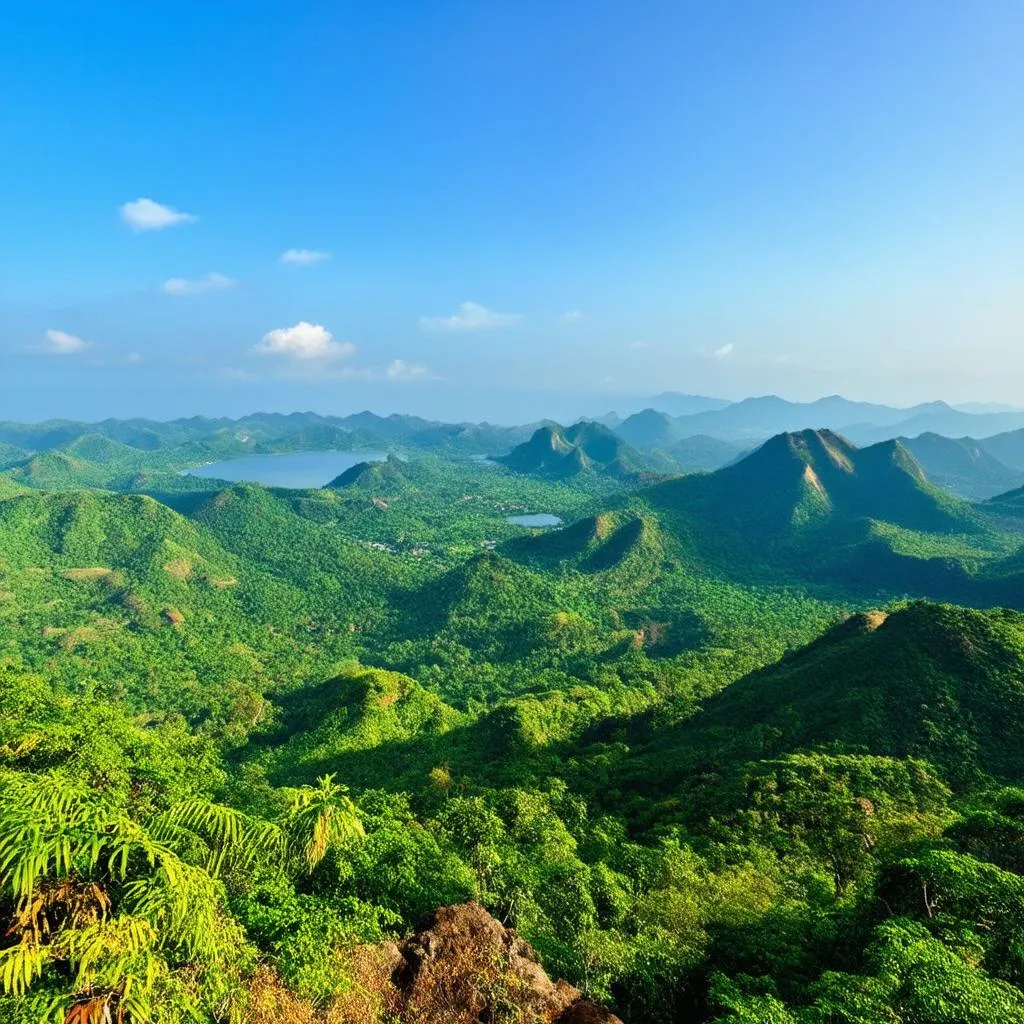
(465, 967)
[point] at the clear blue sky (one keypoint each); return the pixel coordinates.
(729, 198)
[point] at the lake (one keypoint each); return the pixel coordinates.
(535, 519)
(290, 469)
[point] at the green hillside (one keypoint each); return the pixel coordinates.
(122, 591)
(654, 741)
(375, 476)
(11, 455)
(10, 487)
(935, 682)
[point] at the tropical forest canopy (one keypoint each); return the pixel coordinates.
(738, 742)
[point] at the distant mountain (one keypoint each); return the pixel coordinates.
(648, 429)
(467, 438)
(676, 404)
(1007, 447)
(702, 454)
(656, 432)
(41, 436)
(948, 422)
(99, 449)
(962, 466)
(767, 415)
(985, 407)
(584, 447)
(653, 423)
(393, 426)
(317, 437)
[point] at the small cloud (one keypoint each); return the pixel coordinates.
(303, 341)
(399, 369)
(60, 343)
(572, 316)
(304, 257)
(724, 351)
(133, 358)
(212, 282)
(638, 344)
(470, 317)
(147, 215)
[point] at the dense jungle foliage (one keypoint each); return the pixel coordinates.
(738, 747)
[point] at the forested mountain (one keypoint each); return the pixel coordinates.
(374, 476)
(649, 429)
(948, 680)
(696, 746)
(796, 481)
(585, 447)
(963, 466)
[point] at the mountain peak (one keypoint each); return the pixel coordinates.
(560, 453)
(797, 478)
(371, 474)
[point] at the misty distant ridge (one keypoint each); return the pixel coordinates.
(757, 418)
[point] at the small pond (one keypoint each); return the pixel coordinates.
(535, 519)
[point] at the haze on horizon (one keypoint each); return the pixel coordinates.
(474, 211)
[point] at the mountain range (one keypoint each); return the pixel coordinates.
(974, 467)
(865, 422)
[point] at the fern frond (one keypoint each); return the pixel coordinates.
(20, 965)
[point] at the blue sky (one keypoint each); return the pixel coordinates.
(507, 209)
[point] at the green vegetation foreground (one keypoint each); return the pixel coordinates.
(249, 736)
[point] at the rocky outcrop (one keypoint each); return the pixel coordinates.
(464, 967)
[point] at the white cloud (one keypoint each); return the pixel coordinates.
(211, 282)
(133, 358)
(304, 257)
(147, 215)
(638, 344)
(399, 369)
(303, 341)
(724, 351)
(572, 316)
(60, 343)
(470, 317)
